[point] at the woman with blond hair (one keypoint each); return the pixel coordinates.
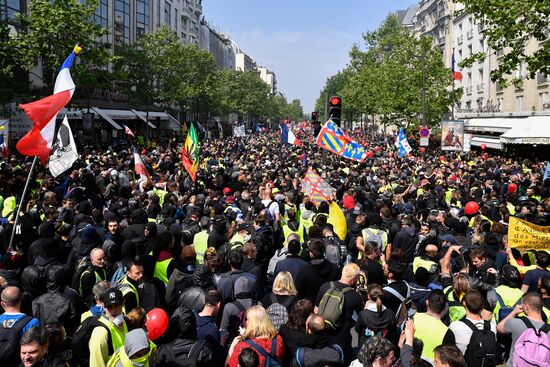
(455, 293)
(261, 336)
(284, 292)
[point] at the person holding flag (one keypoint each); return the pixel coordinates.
(190, 153)
(402, 144)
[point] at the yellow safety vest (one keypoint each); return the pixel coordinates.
(121, 356)
(510, 296)
(431, 331)
(117, 335)
(419, 262)
(126, 287)
(161, 270)
(307, 222)
(161, 194)
(98, 278)
(456, 310)
(200, 242)
(471, 224)
(300, 232)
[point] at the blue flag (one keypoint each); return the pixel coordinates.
(403, 147)
(547, 172)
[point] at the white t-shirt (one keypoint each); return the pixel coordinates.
(273, 207)
(463, 333)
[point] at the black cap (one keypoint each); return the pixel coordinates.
(113, 297)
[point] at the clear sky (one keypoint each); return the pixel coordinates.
(302, 41)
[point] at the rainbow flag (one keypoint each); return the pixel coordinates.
(190, 153)
(316, 188)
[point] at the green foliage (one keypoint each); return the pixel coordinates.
(508, 26)
(242, 92)
(386, 78)
(50, 30)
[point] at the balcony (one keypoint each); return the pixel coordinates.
(468, 90)
(459, 39)
(481, 88)
(198, 8)
(186, 12)
(470, 34)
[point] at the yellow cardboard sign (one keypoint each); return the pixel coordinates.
(528, 235)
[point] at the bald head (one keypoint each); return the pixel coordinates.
(11, 297)
(97, 256)
(315, 324)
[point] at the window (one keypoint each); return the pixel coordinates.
(142, 17)
(158, 14)
(519, 103)
(470, 53)
(520, 71)
(459, 56)
(544, 102)
(175, 18)
(122, 22)
(500, 104)
(167, 13)
(469, 81)
(9, 9)
(460, 29)
(101, 16)
(480, 75)
(482, 45)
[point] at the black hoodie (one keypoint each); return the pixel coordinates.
(406, 240)
(311, 277)
(384, 323)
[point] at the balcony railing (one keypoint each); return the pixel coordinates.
(542, 79)
(468, 89)
(480, 87)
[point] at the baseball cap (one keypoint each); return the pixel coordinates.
(113, 297)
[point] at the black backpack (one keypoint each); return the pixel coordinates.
(81, 338)
(191, 360)
(9, 342)
(482, 349)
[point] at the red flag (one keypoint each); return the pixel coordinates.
(140, 167)
(128, 131)
(457, 75)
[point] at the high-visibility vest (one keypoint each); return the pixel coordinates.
(161, 270)
(117, 335)
(121, 357)
(510, 296)
(456, 310)
(200, 243)
(300, 232)
(98, 278)
(419, 262)
(431, 331)
(126, 287)
(306, 222)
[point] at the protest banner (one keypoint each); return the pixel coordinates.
(528, 235)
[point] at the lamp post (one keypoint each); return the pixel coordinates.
(423, 58)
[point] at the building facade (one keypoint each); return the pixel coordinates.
(269, 78)
(243, 62)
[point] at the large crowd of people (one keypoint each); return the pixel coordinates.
(242, 268)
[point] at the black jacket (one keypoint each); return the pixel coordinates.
(406, 240)
(311, 277)
(372, 321)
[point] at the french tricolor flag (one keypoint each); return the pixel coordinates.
(287, 136)
(140, 167)
(43, 113)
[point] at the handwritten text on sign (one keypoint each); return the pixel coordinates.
(527, 235)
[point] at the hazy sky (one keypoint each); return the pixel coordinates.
(302, 41)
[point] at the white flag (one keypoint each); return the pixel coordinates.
(63, 151)
(239, 131)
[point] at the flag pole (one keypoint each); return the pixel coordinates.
(14, 228)
(453, 90)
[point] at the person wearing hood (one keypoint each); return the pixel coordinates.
(405, 240)
(56, 305)
(185, 347)
(217, 236)
(293, 226)
(47, 243)
(306, 218)
(318, 271)
(137, 228)
(229, 326)
(181, 278)
(137, 351)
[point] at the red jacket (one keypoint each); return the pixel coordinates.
(233, 360)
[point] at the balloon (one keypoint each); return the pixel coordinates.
(453, 177)
(157, 323)
(422, 150)
(483, 146)
(512, 187)
(377, 148)
(442, 158)
(370, 153)
(390, 154)
(471, 208)
(486, 155)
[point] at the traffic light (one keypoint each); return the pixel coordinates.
(335, 109)
(314, 117)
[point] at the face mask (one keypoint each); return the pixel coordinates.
(118, 320)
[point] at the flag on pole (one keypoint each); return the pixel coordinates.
(316, 188)
(335, 140)
(128, 131)
(402, 144)
(43, 113)
(190, 153)
(64, 152)
(457, 75)
(4, 137)
(287, 136)
(140, 167)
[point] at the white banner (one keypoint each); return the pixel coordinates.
(63, 153)
(4, 136)
(239, 131)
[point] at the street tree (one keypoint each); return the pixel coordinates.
(508, 26)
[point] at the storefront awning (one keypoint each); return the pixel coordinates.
(143, 116)
(173, 119)
(490, 142)
(533, 130)
(106, 117)
(491, 125)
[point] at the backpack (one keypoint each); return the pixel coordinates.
(403, 311)
(270, 358)
(504, 310)
(277, 312)
(83, 265)
(238, 322)
(81, 338)
(333, 252)
(192, 358)
(482, 349)
(270, 217)
(370, 236)
(279, 255)
(9, 342)
(533, 346)
(331, 355)
(332, 305)
(119, 273)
